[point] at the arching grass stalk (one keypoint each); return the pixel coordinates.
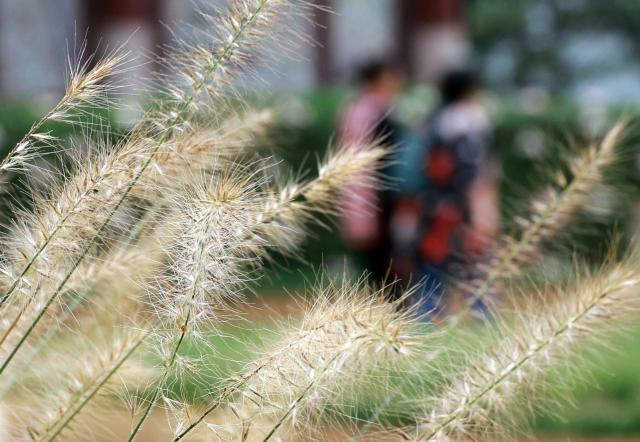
(234, 388)
(207, 259)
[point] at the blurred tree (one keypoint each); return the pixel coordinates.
(555, 44)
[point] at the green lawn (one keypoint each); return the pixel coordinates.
(608, 394)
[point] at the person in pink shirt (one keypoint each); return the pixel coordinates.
(366, 119)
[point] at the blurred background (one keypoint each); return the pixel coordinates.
(550, 75)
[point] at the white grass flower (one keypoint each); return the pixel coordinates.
(549, 215)
(85, 88)
(347, 332)
(502, 384)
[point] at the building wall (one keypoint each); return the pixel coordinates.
(362, 30)
(35, 37)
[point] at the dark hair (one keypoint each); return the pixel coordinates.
(456, 85)
(372, 70)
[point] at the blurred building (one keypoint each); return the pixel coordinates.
(35, 35)
(34, 40)
(586, 49)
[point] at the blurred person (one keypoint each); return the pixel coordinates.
(449, 207)
(368, 118)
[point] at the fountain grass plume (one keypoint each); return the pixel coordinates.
(47, 243)
(86, 88)
(549, 215)
(205, 271)
(291, 207)
(503, 383)
(348, 330)
(202, 71)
